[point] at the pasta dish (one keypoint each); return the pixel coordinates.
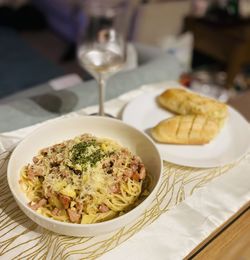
(84, 180)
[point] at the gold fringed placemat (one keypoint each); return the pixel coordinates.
(21, 238)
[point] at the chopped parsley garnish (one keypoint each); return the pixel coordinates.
(87, 152)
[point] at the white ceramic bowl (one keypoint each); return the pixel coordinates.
(64, 129)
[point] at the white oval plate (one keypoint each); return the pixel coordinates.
(232, 142)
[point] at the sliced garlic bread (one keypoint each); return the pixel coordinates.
(189, 129)
(183, 102)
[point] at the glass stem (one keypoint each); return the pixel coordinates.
(102, 89)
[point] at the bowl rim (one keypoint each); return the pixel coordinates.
(92, 225)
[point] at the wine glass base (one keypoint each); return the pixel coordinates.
(105, 115)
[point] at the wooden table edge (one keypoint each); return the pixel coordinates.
(218, 231)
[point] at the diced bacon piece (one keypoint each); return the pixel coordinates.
(142, 173)
(34, 171)
(134, 166)
(73, 216)
(136, 176)
(35, 159)
(55, 211)
(39, 204)
(65, 200)
(103, 208)
(79, 206)
(30, 174)
(115, 188)
(48, 192)
(128, 173)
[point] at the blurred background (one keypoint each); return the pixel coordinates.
(209, 38)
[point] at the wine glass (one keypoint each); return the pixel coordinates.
(102, 46)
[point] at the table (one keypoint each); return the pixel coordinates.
(229, 43)
(121, 84)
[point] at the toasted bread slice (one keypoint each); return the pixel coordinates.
(189, 129)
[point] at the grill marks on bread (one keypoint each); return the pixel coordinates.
(190, 129)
